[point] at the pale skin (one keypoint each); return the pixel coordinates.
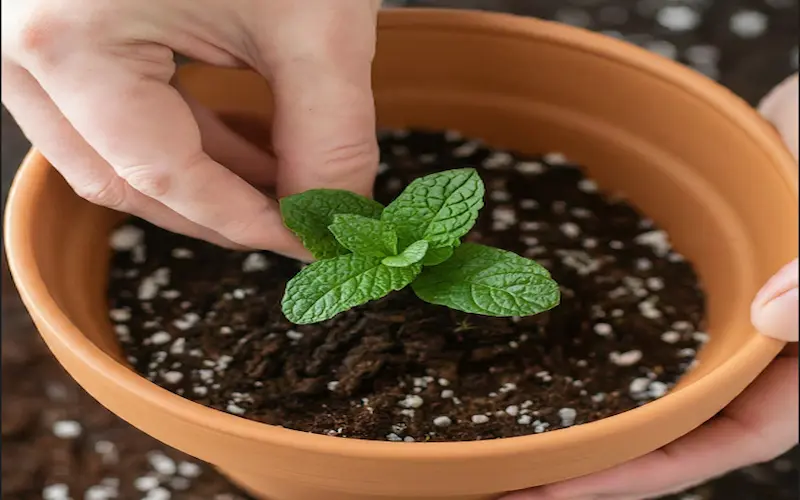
(90, 85)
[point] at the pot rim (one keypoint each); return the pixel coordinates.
(759, 349)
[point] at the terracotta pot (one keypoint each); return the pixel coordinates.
(690, 154)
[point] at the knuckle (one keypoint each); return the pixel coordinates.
(350, 160)
(149, 180)
(247, 231)
(108, 193)
(45, 34)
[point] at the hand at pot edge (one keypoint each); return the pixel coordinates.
(758, 426)
(89, 83)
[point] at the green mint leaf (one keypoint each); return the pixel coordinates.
(364, 236)
(411, 255)
(484, 280)
(328, 287)
(439, 208)
(309, 214)
(436, 256)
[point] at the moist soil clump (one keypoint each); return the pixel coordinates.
(205, 322)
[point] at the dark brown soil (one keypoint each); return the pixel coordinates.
(205, 322)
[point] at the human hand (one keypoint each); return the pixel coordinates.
(758, 426)
(89, 84)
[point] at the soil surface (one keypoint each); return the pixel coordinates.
(205, 322)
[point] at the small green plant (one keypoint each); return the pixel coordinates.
(366, 251)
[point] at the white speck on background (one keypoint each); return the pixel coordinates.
(662, 48)
(573, 16)
(748, 23)
(678, 17)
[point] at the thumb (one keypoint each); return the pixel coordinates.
(780, 107)
(774, 310)
(324, 123)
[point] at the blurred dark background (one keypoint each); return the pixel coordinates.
(746, 45)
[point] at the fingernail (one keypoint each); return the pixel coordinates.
(778, 318)
(783, 281)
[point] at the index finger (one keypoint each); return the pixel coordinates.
(127, 111)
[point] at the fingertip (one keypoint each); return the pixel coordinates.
(778, 318)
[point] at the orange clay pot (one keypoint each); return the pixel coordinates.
(687, 152)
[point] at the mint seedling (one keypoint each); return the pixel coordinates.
(366, 251)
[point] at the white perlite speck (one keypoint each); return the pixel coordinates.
(332, 385)
(411, 401)
(512, 410)
(107, 451)
(529, 167)
(235, 409)
(393, 437)
(57, 491)
(657, 389)
(658, 240)
(525, 420)
(123, 332)
(497, 160)
(162, 463)
(150, 285)
(158, 493)
(628, 358)
(655, 283)
(160, 338)
(700, 337)
(187, 321)
(182, 253)
(467, 149)
(126, 238)
(99, 492)
(648, 310)
(442, 421)
(567, 416)
(638, 386)
(294, 335)
(120, 315)
(179, 483)
(479, 419)
(603, 329)
(255, 262)
(670, 337)
(67, 429)
(587, 186)
(556, 158)
(447, 394)
(173, 377)
(189, 469)
(170, 294)
(504, 215)
(570, 229)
